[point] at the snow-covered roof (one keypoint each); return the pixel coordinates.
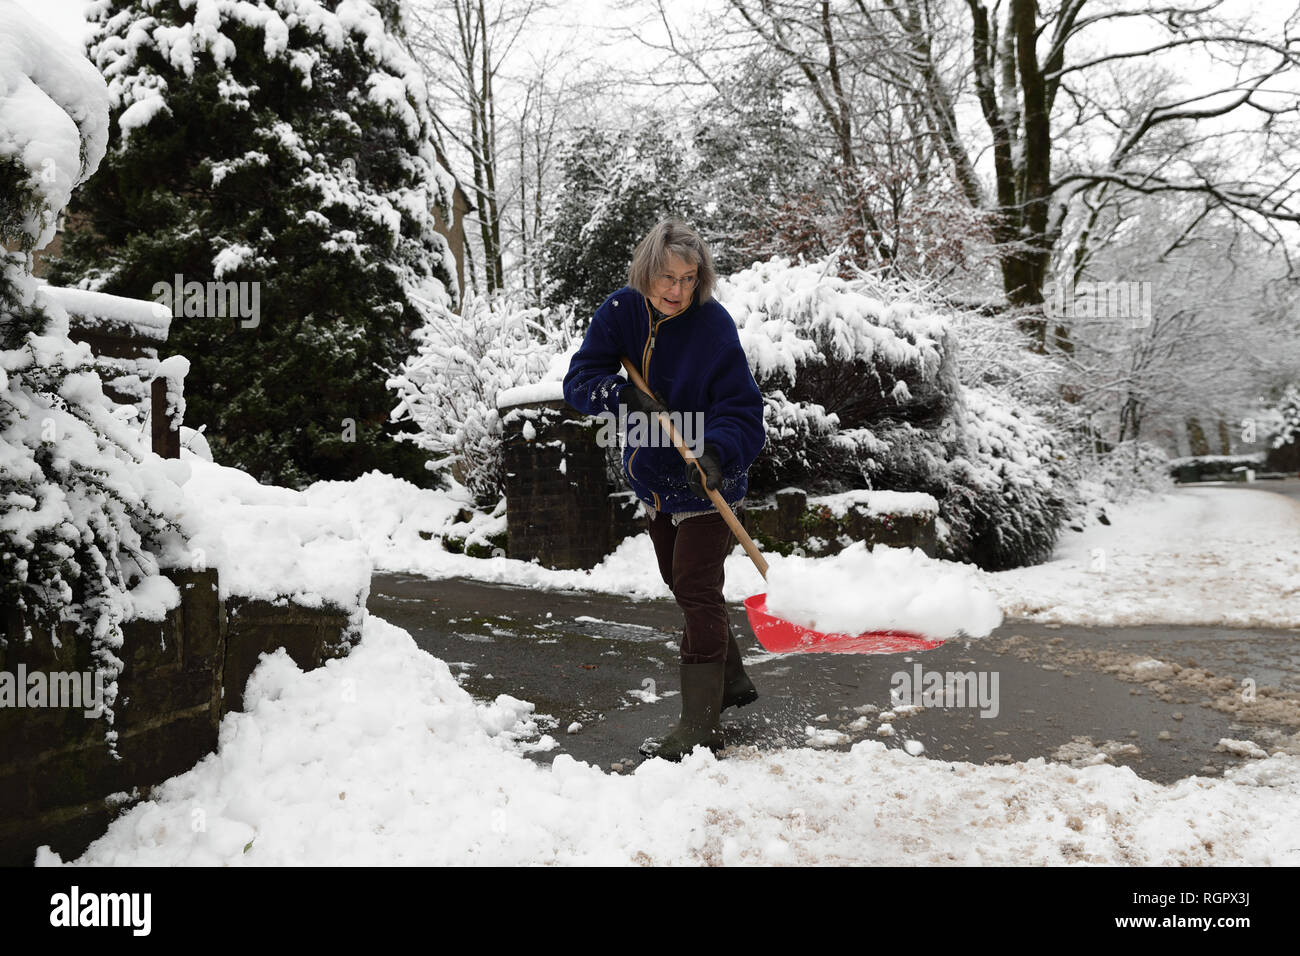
(146, 319)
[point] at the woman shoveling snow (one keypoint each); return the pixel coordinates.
(696, 367)
(686, 348)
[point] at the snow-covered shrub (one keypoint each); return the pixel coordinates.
(449, 387)
(862, 387)
(1285, 420)
(1007, 494)
(835, 365)
(85, 506)
(79, 512)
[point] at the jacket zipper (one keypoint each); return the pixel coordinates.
(648, 352)
(633, 474)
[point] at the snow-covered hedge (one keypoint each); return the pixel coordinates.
(863, 388)
(1007, 493)
(1285, 419)
(85, 506)
(834, 364)
(1254, 459)
(449, 387)
(275, 163)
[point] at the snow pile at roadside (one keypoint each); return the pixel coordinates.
(1219, 556)
(399, 523)
(403, 528)
(881, 590)
(380, 758)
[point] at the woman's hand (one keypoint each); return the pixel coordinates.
(711, 462)
(636, 400)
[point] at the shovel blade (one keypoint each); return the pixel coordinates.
(783, 637)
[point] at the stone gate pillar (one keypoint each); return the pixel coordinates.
(557, 491)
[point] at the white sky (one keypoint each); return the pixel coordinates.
(603, 29)
(601, 36)
(64, 17)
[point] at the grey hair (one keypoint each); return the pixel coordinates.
(651, 256)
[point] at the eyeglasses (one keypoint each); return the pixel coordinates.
(669, 282)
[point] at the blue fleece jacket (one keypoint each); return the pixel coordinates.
(694, 362)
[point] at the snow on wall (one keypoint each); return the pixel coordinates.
(878, 502)
(133, 318)
(141, 318)
(552, 391)
(1256, 457)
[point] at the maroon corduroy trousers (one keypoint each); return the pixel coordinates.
(690, 561)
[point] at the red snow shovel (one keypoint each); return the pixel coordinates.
(774, 633)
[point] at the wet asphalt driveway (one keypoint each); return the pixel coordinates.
(1062, 692)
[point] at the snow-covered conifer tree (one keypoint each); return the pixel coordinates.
(285, 146)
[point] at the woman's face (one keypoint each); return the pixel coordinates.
(671, 290)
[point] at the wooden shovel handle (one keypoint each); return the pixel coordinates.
(718, 501)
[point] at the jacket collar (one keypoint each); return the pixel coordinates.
(657, 316)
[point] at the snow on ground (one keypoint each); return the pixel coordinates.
(381, 758)
(1201, 555)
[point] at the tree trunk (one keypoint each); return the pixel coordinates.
(1225, 438)
(1196, 439)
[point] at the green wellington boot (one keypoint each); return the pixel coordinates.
(701, 708)
(738, 690)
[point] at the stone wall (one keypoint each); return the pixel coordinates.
(792, 521)
(58, 780)
(311, 636)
